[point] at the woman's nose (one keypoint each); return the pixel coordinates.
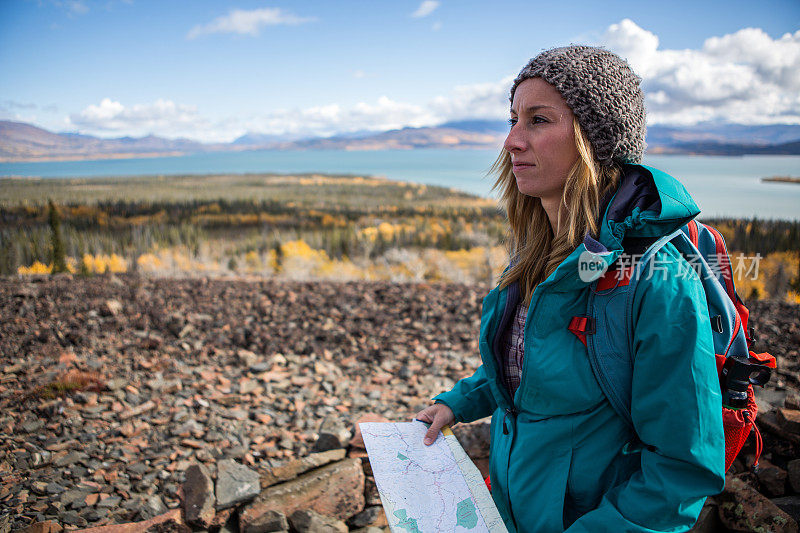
(514, 142)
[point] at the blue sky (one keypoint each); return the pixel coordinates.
(213, 70)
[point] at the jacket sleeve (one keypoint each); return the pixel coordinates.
(676, 409)
(471, 398)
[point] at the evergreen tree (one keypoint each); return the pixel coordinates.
(58, 254)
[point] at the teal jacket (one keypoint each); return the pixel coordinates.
(559, 459)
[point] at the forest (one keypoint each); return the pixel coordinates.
(301, 227)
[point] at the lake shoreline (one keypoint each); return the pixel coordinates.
(721, 186)
(781, 179)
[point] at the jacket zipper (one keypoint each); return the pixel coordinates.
(510, 412)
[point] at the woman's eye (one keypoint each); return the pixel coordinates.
(539, 120)
(512, 121)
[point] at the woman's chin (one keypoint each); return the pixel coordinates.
(527, 188)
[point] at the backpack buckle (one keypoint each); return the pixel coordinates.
(586, 325)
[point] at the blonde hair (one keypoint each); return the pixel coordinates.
(535, 249)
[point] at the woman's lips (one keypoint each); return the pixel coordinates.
(522, 166)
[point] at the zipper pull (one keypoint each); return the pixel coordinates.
(509, 412)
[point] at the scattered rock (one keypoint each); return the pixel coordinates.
(708, 521)
(792, 402)
(793, 472)
(332, 435)
(152, 507)
(235, 484)
(306, 521)
(771, 478)
(742, 508)
(111, 308)
(267, 522)
(789, 419)
(371, 494)
(198, 497)
(371, 516)
(790, 505)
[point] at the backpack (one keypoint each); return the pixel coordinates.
(606, 329)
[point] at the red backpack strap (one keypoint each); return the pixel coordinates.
(693, 234)
(724, 263)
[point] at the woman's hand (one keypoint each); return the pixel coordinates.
(437, 415)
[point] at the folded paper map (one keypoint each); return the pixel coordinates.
(428, 488)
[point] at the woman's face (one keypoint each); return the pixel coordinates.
(541, 140)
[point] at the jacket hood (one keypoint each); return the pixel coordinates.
(647, 203)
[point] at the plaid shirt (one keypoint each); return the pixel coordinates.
(514, 348)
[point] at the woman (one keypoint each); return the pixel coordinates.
(561, 457)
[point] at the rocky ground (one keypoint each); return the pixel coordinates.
(114, 390)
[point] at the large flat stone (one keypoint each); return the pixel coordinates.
(789, 419)
(170, 517)
(793, 470)
(48, 526)
(335, 490)
(293, 468)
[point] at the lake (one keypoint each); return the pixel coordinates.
(722, 186)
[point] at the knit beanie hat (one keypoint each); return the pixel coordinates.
(603, 93)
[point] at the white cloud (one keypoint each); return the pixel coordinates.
(745, 77)
(425, 8)
(162, 117)
(331, 119)
(245, 22)
(480, 100)
(165, 118)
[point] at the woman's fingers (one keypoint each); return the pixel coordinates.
(438, 415)
(433, 432)
(423, 416)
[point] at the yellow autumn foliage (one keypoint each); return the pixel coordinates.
(753, 273)
(36, 268)
(386, 230)
(149, 262)
(101, 263)
(39, 268)
(252, 260)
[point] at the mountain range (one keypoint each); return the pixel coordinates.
(25, 142)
